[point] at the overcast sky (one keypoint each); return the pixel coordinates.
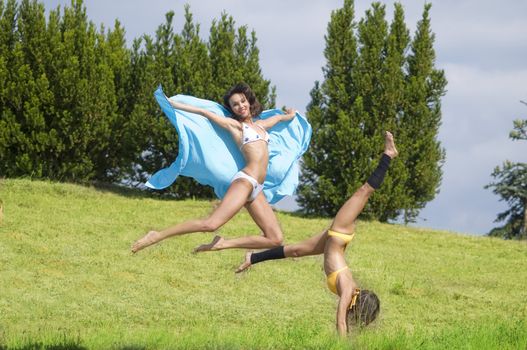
(481, 46)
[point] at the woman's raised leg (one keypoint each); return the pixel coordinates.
(344, 221)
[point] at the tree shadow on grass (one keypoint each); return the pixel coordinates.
(130, 192)
(65, 346)
(145, 192)
(40, 346)
(302, 215)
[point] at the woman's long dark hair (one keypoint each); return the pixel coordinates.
(365, 310)
(242, 88)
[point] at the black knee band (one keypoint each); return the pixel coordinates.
(375, 180)
(270, 254)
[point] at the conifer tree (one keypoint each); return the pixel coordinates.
(193, 69)
(76, 103)
(62, 109)
(27, 96)
(389, 109)
(425, 85)
(319, 191)
(365, 92)
(86, 97)
(152, 64)
(10, 128)
(120, 154)
(225, 72)
(235, 58)
(511, 185)
(113, 62)
(248, 59)
(180, 63)
(370, 117)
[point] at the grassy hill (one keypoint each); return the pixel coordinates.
(69, 281)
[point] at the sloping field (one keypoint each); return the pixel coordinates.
(69, 281)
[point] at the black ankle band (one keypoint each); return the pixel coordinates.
(375, 180)
(270, 254)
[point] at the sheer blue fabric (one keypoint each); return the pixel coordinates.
(208, 153)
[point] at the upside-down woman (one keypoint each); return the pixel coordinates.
(355, 306)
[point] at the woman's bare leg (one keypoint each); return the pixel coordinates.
(264, 216)
(311, 246)
(232, 202)
(344, 221)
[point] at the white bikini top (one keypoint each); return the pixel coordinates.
(250, 135)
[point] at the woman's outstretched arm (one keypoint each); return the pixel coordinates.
(226, 123)
(272, 121)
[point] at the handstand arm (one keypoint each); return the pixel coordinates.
(342, 310)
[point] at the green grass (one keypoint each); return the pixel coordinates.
(68, 281)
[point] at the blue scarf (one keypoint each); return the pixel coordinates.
(209, 154)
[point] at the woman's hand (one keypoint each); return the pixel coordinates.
(289, 114)
(272, 121)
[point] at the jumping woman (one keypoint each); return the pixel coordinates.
(246, 186)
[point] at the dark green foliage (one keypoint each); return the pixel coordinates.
(184, 64)
(423, 155)
(60, 102)
(511, 185)
(235, 58)
(77, 104)
(376, 79)
(153, 62)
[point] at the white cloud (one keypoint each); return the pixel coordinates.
(481, 102)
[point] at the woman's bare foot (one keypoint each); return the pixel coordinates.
(389, 145)
(150, 238)
(214, 245)
(246, 264)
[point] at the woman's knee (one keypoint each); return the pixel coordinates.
(276, 241)
(275, 237)
(365, 190)
(295, 252)
(210, 225)
(299, 250)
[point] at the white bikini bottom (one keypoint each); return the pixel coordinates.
(257, 188)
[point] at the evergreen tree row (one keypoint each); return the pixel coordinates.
(376, 78)
(76, 104)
